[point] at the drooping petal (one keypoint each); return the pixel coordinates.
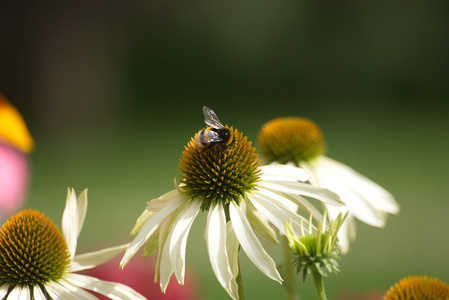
(289, 199)
(178, 240)
(330, 175)
(64, 290)
(260, 224)
(70, 222)
(152, 244)
(278, 172)
(150, 226)
(380, 198)
(164, 231)
(251, 245)
(166, 268)
(92, 259)
(157, 204)
(232, 247)
(299, 188)
(144, 217)
(276, 213)
(20, 293)
(3, 290)
(111, 290)
(216, 247)
(303, 204)
(38, 294)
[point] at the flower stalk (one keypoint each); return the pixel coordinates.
(239, 281)
(288, 271)
(319, 284)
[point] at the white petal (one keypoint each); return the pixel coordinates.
(81, 203)
(20, 293)
(381, 199)
(166, 269)
(70, 222)
(3, 290)
(179, 238)
(164, 265)
(283, 173)
(251, 245)
(232, 248)
(276, 213)
(260, 224)
(109, 289)
(216, 247)
(303, 204)
(164, 232)
(92, 259)
(38, 294)
(174, 201)
(144, 217)
(157, 204)
(299, 188)
(350, 187)
(65, 290)
(289, 199)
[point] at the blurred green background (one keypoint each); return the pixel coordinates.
(113, 90)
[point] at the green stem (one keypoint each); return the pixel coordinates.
(240, 283)
(289, 279)
(319, 284)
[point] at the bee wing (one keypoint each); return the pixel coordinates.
(213, 137)
(210, 118)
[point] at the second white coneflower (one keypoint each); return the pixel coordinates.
(299, 141)
(37, 261)
(240, 199)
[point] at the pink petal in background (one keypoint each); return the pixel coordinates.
(139, 275)
(14, 176)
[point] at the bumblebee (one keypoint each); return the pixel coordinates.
(215, 134)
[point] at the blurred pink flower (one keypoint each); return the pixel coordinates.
(14, 174)
(138, 274)
(15, 143)
(371, 295)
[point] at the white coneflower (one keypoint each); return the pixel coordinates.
(37, 261)
(299, 141)
(240, 199)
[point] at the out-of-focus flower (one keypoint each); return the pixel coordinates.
(13, 130)
(37, 261)
(15, 143)
(137, 276)
(418, 288)
(299, 141)
(14, 176)
(240, 198)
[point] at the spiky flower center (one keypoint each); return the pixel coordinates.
(218, 173)
(419, 288)
(290, 139)
(315, 252)
(32, 250)
(316, 255)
